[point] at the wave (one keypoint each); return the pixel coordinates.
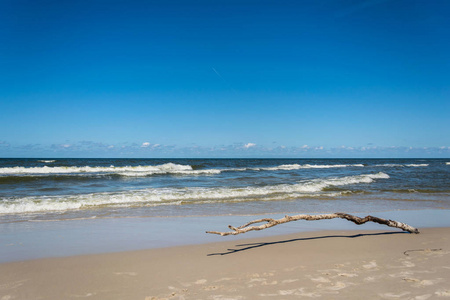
(401, 165)
(142, 171)
(307, 166)
(418, 190)
(291, 167)
(46, 161)
(169, 168)
(177, 196)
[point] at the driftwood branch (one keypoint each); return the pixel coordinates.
(268, 222)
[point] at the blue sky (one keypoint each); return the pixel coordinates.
(224, 78)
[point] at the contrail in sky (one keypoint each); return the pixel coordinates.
(218, 74)
(226, 82)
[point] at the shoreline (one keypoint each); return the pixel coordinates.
(45, 239)
(338, 264)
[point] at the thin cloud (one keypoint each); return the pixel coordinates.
(60, 146)
(132, 149)
(249, 145)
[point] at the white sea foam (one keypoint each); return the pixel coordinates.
(174, 196)
(137, 171)
(388, 165)
(47, 161)
(306, 166)
(400, 165)
(276, 168)
(169, 168)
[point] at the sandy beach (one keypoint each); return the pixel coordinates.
(375, 264)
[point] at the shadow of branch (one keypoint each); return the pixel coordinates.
(251, 246)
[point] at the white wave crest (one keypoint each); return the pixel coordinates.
(47, 161)
(174, 196)
(139, 171)
(400, 165)
(169, 168)
(306, 166)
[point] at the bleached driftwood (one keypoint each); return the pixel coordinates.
(272, 222)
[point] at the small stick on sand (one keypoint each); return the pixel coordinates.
(272, 222)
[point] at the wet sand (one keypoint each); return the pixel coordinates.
(343, 264)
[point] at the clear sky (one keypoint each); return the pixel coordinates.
(224, 78)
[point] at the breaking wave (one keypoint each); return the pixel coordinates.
(169, 168)
(307, 166)
(177, 196)
(401, 165)
(140, 171)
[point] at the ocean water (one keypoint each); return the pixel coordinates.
(75, 189)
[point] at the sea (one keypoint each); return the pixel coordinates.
(55, 189)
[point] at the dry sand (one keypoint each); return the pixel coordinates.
(326, 264)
